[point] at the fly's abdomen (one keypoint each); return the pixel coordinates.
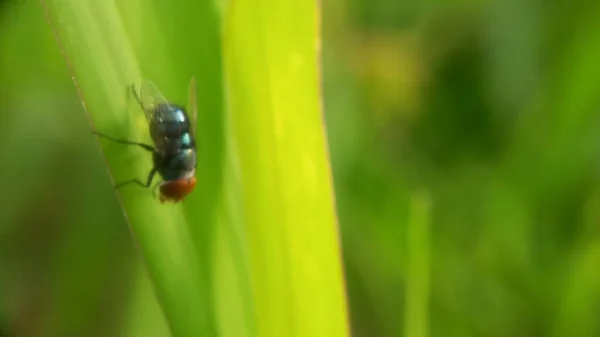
(177, 166)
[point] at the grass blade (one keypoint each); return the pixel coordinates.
(104, 64)
(418, 271)
(271, 59)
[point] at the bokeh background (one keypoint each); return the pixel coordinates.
(484, 112)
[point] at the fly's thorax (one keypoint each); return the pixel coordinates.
(170, 129)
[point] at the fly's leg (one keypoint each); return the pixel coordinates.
(135, 94)
(125, 141)
(138, 182)
(137, 98)
(142, 145)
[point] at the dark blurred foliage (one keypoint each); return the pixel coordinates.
(493, 109)
(66, 257)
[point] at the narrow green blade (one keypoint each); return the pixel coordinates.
(272, 58)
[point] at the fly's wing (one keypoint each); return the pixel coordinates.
(150, 98)
(192, 104)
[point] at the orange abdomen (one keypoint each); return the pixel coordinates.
(175, 190)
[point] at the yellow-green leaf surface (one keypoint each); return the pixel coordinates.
(272, 64)
(192, 250)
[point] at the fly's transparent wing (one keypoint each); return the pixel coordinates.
(150, 98)
(192, 104)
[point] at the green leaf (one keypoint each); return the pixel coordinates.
(272, 64)
(108, 46)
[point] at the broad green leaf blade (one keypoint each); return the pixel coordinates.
(145, 318)
(231, 269)
(103, 63)
(271, 59)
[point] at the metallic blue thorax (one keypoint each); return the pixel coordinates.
(176, 149)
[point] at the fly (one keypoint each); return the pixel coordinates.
(174, 150)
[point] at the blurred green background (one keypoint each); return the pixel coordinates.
(465, 145)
